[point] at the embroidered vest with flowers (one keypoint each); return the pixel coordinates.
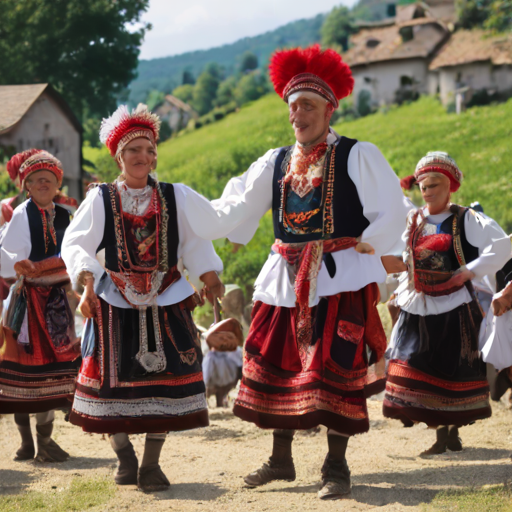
(437, 251)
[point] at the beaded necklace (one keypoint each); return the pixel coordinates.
(47, 218)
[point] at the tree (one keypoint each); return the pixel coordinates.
(251, 87)
(188, 77)
(205, 89)
(473, 13)
(248, 62)
(500, 16)
(226, 91)
(337, 27)
(184, 92)
(154, 98)
(87, 50)
(91, 128)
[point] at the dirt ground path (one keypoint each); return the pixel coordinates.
(206, 466)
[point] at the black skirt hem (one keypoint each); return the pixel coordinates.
(143, 425)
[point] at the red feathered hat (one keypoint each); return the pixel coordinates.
(122, 127)
(21, 165)
(311, 69)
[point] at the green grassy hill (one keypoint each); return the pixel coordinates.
(480, 140)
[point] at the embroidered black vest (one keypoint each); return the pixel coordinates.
(35, 222)
(109, 242)
(347, 211)
(469, 251)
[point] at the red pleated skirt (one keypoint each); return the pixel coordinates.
(330, 387)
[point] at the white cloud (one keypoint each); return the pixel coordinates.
(180, 26)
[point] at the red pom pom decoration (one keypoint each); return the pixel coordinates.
(408, 182)
(14, 164)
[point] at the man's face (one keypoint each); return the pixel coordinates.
(435, 190)
(309, 115)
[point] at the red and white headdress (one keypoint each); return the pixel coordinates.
(23, 164)
(311, 69)
(441, 163)
(122, 127)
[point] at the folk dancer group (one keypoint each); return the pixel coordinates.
(339, 215)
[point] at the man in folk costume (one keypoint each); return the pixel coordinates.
(435, 373)
(141, 370)
(39, 350)
(337, 209)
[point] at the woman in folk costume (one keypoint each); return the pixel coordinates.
(337, 208)
(39, 349)
(435, 373)
(141, 370)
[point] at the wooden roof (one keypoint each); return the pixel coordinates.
(382, 44)
(16, 100)
(467, 46)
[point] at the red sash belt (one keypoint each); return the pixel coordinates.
(306, 258)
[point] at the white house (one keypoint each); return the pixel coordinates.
(393, 57)
(473, 60)
(36, 116)
(175, 113)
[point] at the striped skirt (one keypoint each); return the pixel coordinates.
(282, 390)
(435, 374)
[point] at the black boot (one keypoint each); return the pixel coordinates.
(47, 449)
(128, 466)
(500, 385)
(441, 441)
(27, 449)
(454, 442)
(280, 465)
(335, 472)
(151, 477)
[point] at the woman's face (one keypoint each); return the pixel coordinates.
(138, 158)
(42, 187)
(435, 190)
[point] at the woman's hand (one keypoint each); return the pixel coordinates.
(213, 287)
(393, 264)
(502, 301)
(24, 267)
(457, 280)
(364, 248)
(89, 299)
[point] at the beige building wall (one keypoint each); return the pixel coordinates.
(482, 75)
(45, 126)
(383, 79)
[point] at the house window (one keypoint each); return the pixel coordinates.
(407, 34)
(372, 42)
(406, 80)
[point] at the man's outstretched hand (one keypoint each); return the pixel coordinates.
(393, 264)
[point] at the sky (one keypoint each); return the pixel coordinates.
(188, 25)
